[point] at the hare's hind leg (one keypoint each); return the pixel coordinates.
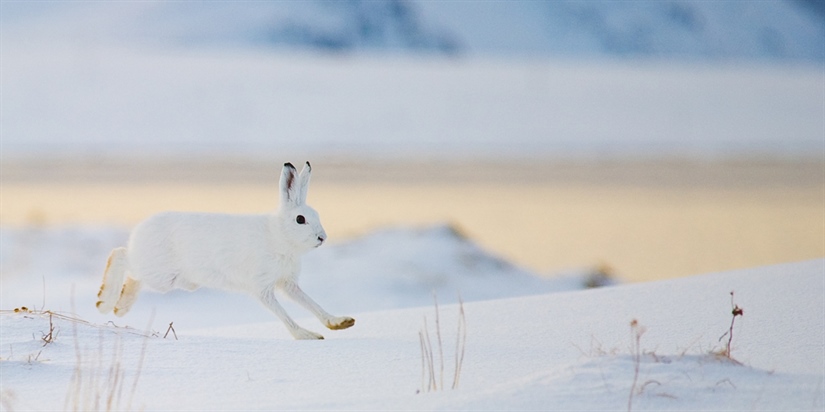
(296, 294)
(128, 296)
(268, 299)
(112, 285)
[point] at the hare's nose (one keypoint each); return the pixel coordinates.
(321, 239)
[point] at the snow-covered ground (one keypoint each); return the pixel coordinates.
(159, 78)
(109, 101)
(563, 350)
(532, 342)
(386, 269)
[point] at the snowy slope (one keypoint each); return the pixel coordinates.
(243, 78)
(679, 30)
(393, 268)
(109, 101)
(566, 350)
(675, 29)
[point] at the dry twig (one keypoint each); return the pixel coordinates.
(636, 332)
(173, 331)
(429, 380)
(735, 311)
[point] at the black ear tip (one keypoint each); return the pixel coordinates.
(309, 165)
(289, 165)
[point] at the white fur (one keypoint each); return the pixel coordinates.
(255, 254)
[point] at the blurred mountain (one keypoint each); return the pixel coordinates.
(817, 6)
(668, 29)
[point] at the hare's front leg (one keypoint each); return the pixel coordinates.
(268, 299)
(295, 293)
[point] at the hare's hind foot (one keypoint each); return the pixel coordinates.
(127, 297)
(339, 323)
(303, 334)
(112, 285)
(104, 307)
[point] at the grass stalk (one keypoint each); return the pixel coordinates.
(636, 332)
(460, 342)
(440, 343)
(430, 379)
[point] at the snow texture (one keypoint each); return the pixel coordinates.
(241, 78)
(116, 102)
(566, 350)
(392, 268)
(672, 29)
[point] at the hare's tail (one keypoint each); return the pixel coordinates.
(113, 281)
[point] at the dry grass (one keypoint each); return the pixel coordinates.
(430, 380)
(636, 332)
(735, 312)
(102, 387)
(98, 382)
(68, 317)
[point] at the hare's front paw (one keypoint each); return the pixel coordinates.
(303, 334)
(341, 322)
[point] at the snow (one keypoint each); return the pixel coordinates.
(565, 350)
(99, 101)
(679, 30)
(675, 29)
(71, 86)
(87, 78)
(391, 268)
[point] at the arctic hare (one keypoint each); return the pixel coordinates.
(255, 254)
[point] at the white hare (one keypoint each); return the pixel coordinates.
(255, 254)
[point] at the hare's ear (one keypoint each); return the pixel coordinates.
(289, 185)
(303, 183)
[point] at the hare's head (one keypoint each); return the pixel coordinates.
(300, 223)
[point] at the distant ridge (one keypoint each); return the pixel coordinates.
(791, 30)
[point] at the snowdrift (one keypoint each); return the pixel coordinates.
(571, 350)
(392, 268)
(158, 103)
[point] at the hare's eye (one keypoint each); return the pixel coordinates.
(300, 219)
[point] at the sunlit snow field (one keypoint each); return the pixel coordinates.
(534, 338)
(657, 170)
(571, 350)
(472, 201)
